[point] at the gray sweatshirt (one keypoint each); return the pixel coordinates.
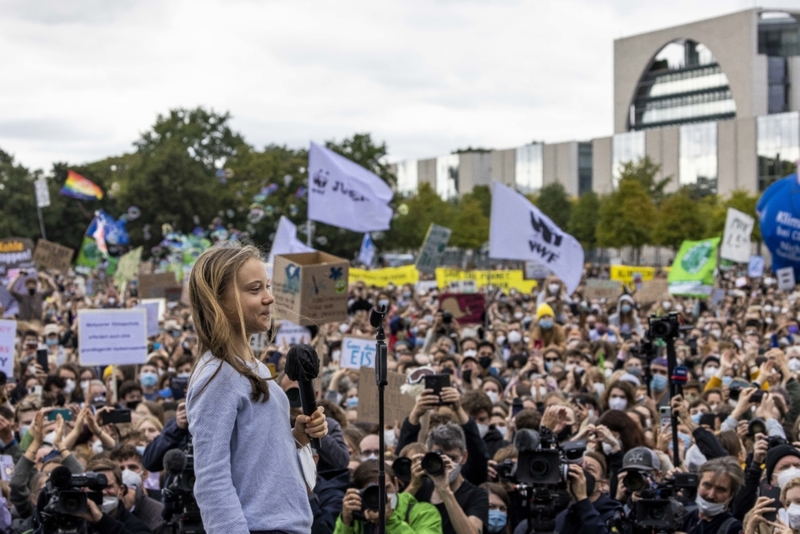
(246, 463)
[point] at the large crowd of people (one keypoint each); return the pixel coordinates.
(549, 381)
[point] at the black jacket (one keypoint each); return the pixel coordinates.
(494, 441)
(708, 444)
(333, 452)
(745, 499)
(583, 517)
(124, 522)
(326, 500)
(170, 438)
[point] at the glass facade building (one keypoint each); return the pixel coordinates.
(683, 84)
(584, 168)
(407, 177)
(778, 146)
(447, 176)
(529, 168)
(698, 156)
(625, 147)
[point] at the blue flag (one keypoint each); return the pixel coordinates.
(367, 253)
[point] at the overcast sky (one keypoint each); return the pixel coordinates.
(83, 78)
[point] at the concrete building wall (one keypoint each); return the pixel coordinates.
(746, 158)
(561, 165)
(549, 157)
(733, 39)
(504, 166)
(727, 175)
(474, 169)
(601, 165)
(793, 68)
(426, 172)
(671, 155)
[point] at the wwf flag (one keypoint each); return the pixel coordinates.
(519, 231)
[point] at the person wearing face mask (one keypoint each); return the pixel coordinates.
(464, 507)
(404, 513)
(710, 368)
(545, 332)
(720, 480)
(479, 406)
(148, 378)
(112, 516)
(145, 509)
(659, 382)
(626, 315)
(30, 298)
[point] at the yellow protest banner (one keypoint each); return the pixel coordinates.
(383, 277)
(504, 280)
(624, 273)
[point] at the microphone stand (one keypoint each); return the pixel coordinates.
(376, 320)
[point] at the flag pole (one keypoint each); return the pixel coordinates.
(41, 221)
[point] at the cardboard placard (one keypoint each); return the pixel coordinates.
(52, 256)
(535, 271)
(755, 267)
(466, 308)
(357, 352)
(433, 248)
(152, 309)
(15, 253)
(8, 333)
(155, 286)
(602, 289)
(735, 244)
(311, 288)
(785, 278)
(397, 406)
(651, 291)
(112, 337)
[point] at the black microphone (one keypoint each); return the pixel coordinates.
(527, 440)
(376, 316)
(61, 477)
(302, 366)
(174, 462)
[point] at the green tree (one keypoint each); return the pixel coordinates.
(483, 194)
(679, 218)
(626, 217)
(554, 202)
(583, 219)
(741, 200)
(426, 207)
(644, 171)
(470, 225)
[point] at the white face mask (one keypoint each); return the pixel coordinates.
(793, 515)
(553, 288)
(97, 447)
(607, 448)
(84, 384)
(599, 387)
(542, 392)
(482, 429)
(713, 407)
(343, 328)
(666, 305)
(514, 337)
(393, 500)
(608, 373)
(389, 438)
(710, 509)
(709, 372)
(493, 396)
(787, 475)
(794, 364)
(617, 403)
(110, 504)
(456, 471)
(716, 333)
(69, 387)
(678, 308)
(501, 340)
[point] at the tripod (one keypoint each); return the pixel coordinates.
(376, 318)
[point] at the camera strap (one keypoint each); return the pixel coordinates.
(723, 528)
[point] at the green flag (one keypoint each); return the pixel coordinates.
(692, 271)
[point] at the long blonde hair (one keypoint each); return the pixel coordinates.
(216, 269)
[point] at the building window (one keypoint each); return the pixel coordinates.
(778, 34)
(529, 168)
(584, 168)
(626, 147)
(447, 176)
(683, 84)
(698, 157)
(407, 177)
(778, 147)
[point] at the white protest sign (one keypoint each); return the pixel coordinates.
(162, 306)
(735, 244)
(785, 278)
(8, 333)
(112, 337)
(292, 334)
(42, 193)
(433, 248)
(357, 353)
(424, 286)
(755, 268)
(535, 271)
(152, 316)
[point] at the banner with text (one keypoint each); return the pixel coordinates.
(505, 280)
(398, 276)
(112, 337)
(630, 275)
(357, 352)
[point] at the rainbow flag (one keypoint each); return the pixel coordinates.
(81, 188)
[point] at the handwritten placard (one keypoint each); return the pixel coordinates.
(357, 352)
(52, 255)
(109, 337)
(397, 406)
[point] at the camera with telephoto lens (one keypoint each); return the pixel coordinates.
(66, 495)
(668, 327)
(505, 469)
(659, 509)
(433, 464)
(180, 507)
(370, 500)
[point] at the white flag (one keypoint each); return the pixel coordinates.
(344, 194)
(367, 252)
(286, 241)
(519, 231)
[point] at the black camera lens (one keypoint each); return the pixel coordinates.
(657, 513)
(756, 426)
(402, 469)
(369, 497)
(540, 468)
(634, 481)
(70, 502)
(661, 329)
(433, 464)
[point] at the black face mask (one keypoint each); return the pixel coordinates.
(31, 291)
(485, 361)
(565, 434)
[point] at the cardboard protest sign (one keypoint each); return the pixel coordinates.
(466, 308)
(357, 352)
(397, 406)
(155, 286)
(51, 255)
(735, 244)
(535, 271)
(8, 333)
(151, 308)
(602, 289)
(651, 291)
(785, 278)
(15, 253)
(755, 267)
(433, 248)
(112, 337)
(311, 288)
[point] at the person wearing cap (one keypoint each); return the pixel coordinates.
(720, 480)
(710, 367)
(639, 461)
(545, 332)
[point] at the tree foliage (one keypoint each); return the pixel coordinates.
(583, 221)
(554, 202)
(645, 171)
(741, 200)
(626, 216)
(680, 218)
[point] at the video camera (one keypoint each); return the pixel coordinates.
(660, 508)
(665, 328)
(65, 496)
(180, 507)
